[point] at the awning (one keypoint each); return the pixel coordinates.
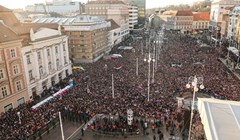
(220, 118)
(234, 50)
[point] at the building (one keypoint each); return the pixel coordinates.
(111, 9)
(232, 26)
(114, 33)
(88, 36)
(141, 4)
(168, 18)
(63, 7)
(238, 32)
(46, 60)
(200, 21)
(133, 17)
(216, 16)
(12, 78)
(225, 21)
(34, 38)
(183, 21)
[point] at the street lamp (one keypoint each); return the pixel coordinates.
(19, 117)
(194, 82)
(149, 67)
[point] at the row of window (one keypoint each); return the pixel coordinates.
(41, 72)
(4, 90)
(15, 71)
(100, 13)
(97, 8)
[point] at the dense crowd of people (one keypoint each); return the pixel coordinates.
(92, 91)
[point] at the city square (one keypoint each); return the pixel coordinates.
(98, 75)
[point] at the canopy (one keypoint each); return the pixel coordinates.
(60, 92)
(234, 50)
(116, 55)
(220, 118)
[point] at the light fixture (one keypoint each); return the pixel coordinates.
(201, 86)
(187, 85)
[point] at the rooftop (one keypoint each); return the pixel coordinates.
(114, 25)
(184, 13)
(6, 34)
(201, 16)
(106, 2)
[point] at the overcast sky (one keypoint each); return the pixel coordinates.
(150, 3)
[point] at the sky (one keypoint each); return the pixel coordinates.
(149, 3)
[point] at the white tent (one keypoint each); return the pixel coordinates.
(220, 118)
(233, 50)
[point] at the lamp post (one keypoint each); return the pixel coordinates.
(137, 67)
(19, 117)
(112, 86)
(149, 67)
(194, 82)
(61, 126)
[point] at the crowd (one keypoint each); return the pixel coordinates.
(92, 92)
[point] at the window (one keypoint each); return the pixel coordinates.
(57, 63)
(56, 49)
(18, 83)
(13, 54)
(15, 69)
(1, 74)
(65, 60)
(4, 92)
(7, 107)
(50, 66)
(64, 45)
(48, 52)
(41, 70)
(21, 101)
(30, 75)
(28, 59)
(39, 55)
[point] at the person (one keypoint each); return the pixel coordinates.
(82, 132)
(154, 137)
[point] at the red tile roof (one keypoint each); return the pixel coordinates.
(184, 13)
(201, 16)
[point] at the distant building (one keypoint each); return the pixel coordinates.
(111, 9)
(200, 21)
(225, 21)
(133, 17)
(141, 4)
(88, 36)
(168, 18)
(183, 21)
(216, 16)
(63, 7)
(232, 26)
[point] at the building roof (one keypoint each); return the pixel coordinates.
(24, 28)
(184, 13)
(106, 2)
(7, 34)
(201, 16)
(70, 21)
(220, 118)
(170, 13)
(114, 25)
(7, 16)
